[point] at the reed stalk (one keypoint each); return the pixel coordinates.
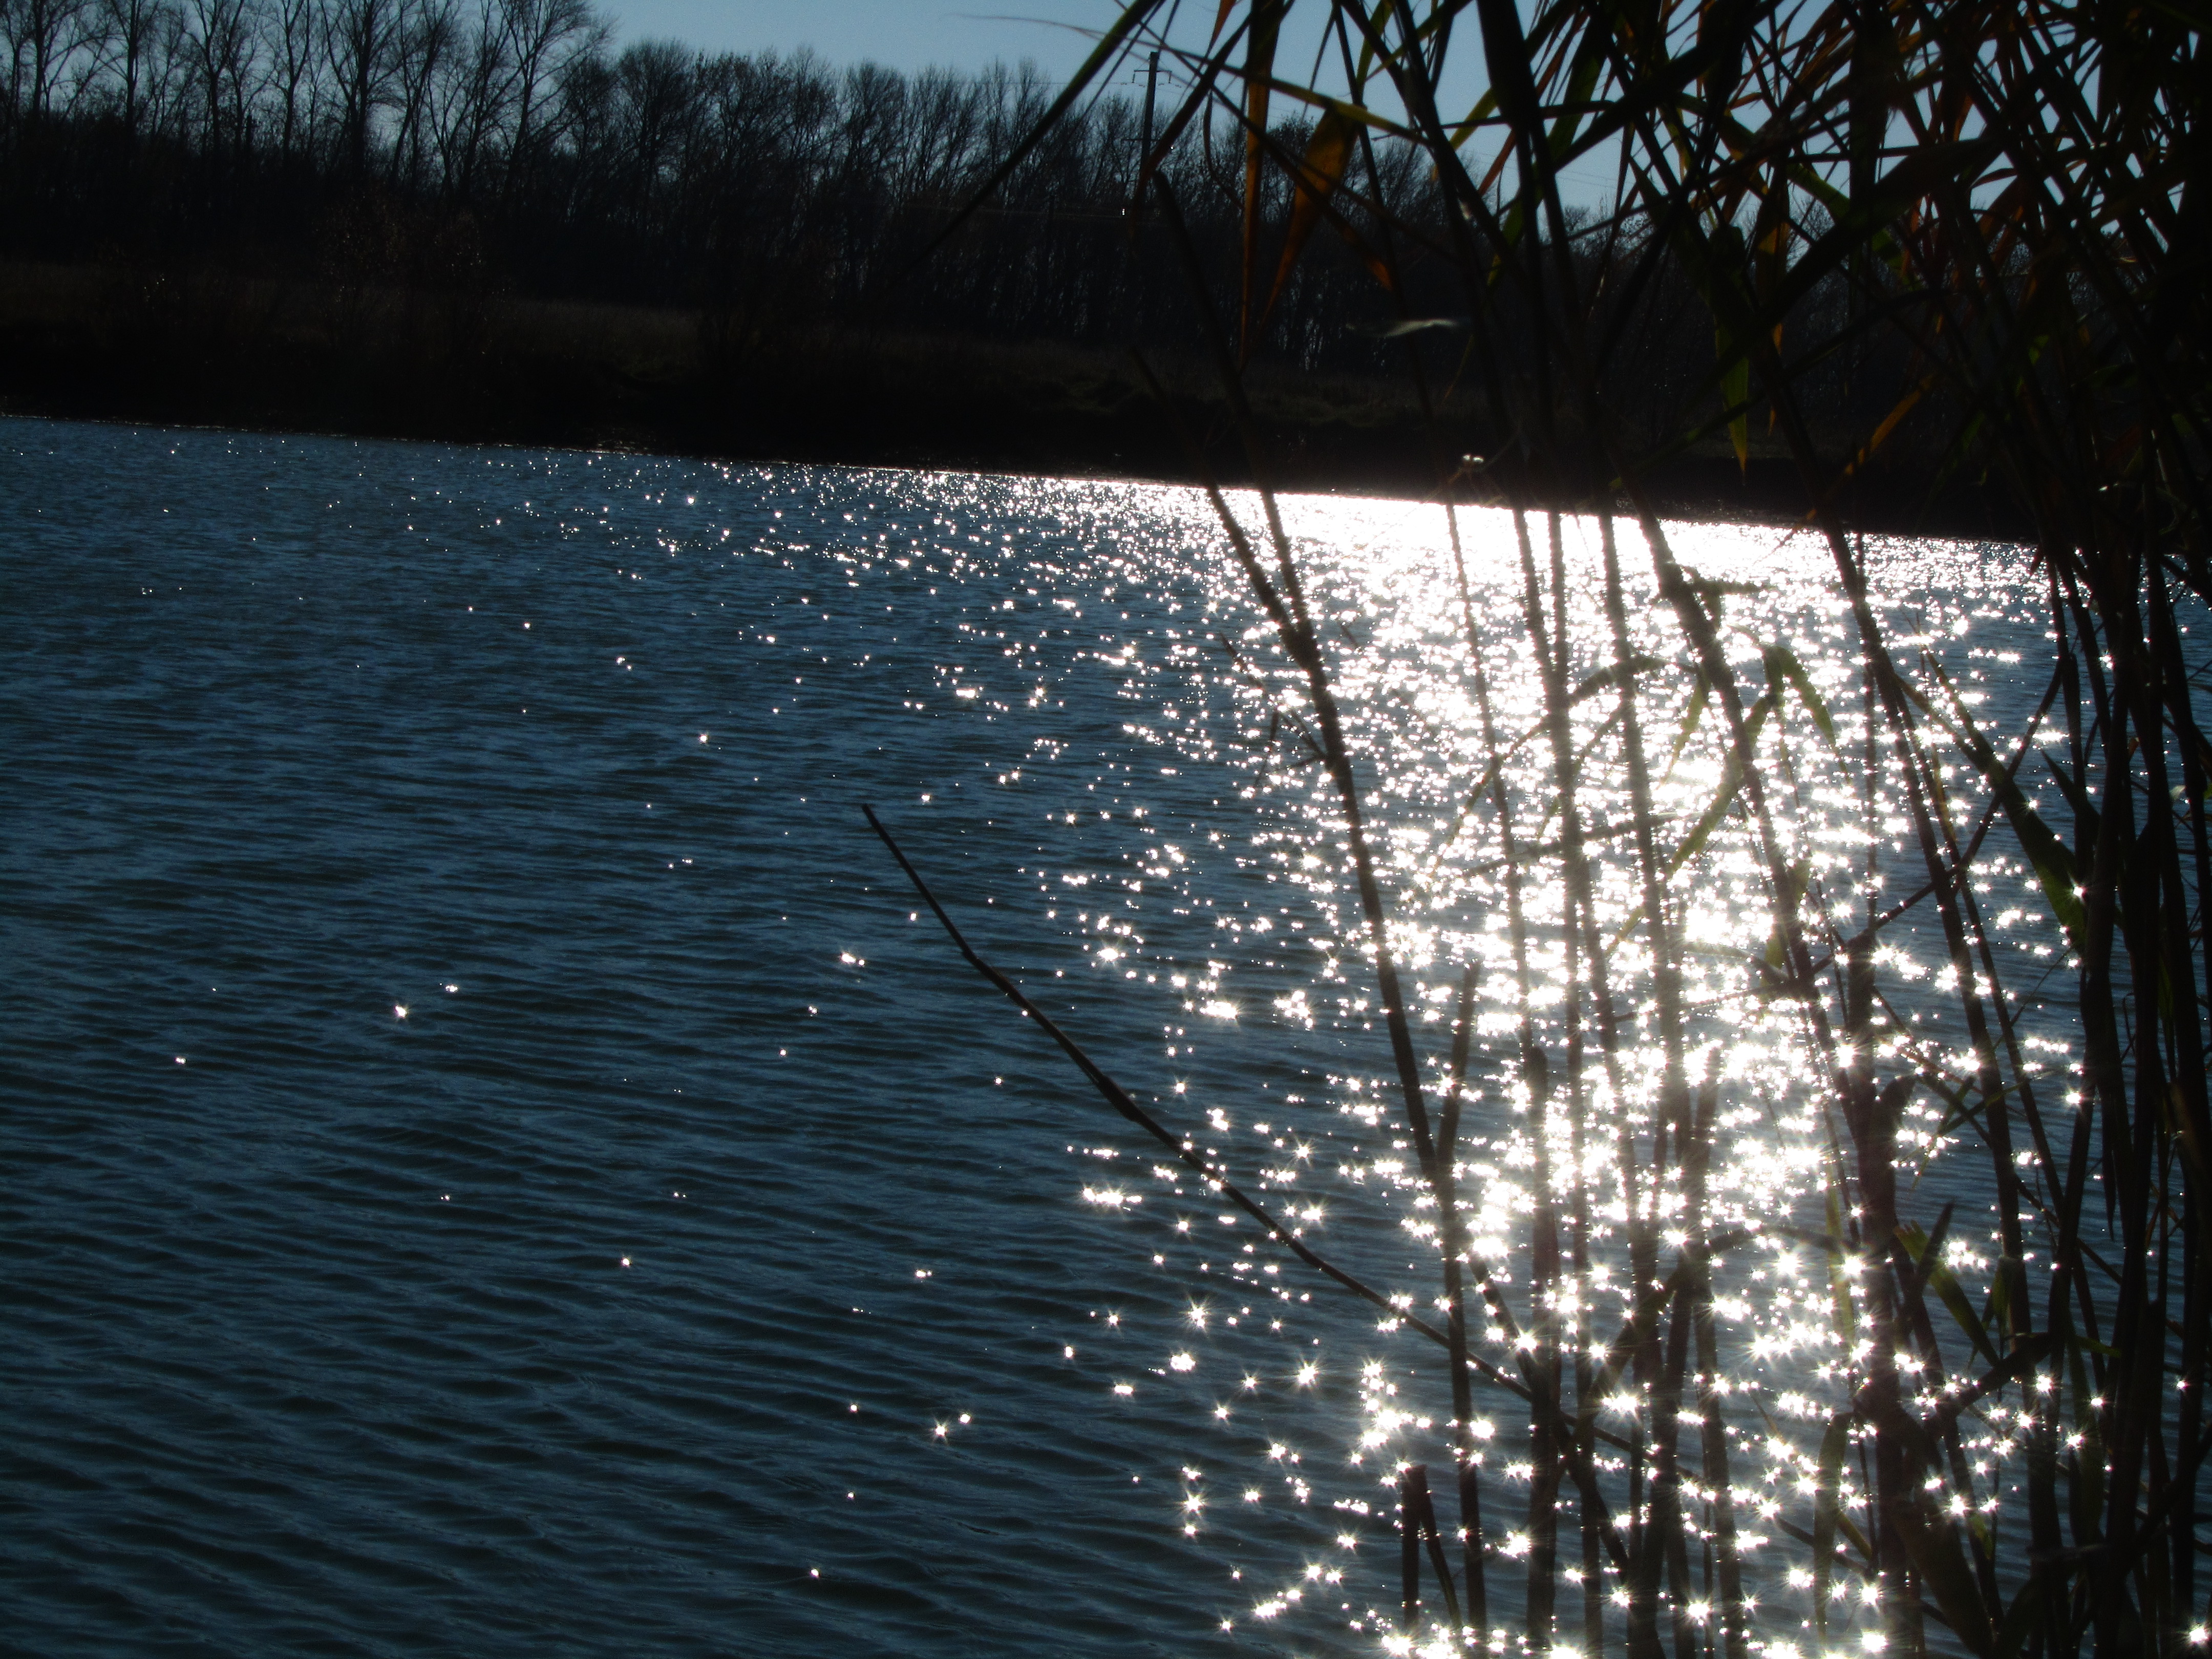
(1977, 229)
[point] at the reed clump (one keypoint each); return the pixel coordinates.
(1977, 229)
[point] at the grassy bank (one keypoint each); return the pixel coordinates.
(204, 348)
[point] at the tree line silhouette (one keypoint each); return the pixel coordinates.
(514, 143)
(473, 154)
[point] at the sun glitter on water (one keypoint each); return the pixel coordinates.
(1447, 738)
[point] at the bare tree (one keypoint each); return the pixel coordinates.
(223, 41)
(472, 91)
(429, 32)
(131, 38)
(41, 36)
(655, 86)
(293, 71)
(360, 41)
(543, 37)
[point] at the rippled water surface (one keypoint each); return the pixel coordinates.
(493, 1165)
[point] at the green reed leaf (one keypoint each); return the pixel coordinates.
(1935, 1548)
(1700, 694)
(1783, 667)
(1839, 1280)
(2055, 869)
(1827, 1510)
(2085, 817)
(1589, 64)
(1736, 394)
(1731, 785)
(1940, 1279)
(1591, 684)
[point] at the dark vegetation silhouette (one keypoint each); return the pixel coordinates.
(394, 208)
(486, 219)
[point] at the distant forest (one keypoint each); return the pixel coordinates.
(257, 179)
(456, 142)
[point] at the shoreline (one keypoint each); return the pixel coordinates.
(214, 351)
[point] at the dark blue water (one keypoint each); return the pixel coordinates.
(490, 1167)
(493, 1160)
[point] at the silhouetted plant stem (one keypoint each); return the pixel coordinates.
(2000, 267)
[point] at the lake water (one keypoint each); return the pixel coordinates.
(496, 1166)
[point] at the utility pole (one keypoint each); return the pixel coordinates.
(1151, 85)
(1135, 263)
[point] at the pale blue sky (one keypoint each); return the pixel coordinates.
(969, 34)
(907, 34)
(911, 34)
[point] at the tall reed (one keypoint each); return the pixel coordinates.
(1975, 228)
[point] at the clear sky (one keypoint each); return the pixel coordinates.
(906, 34)
(970, 34)
(911, 34)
